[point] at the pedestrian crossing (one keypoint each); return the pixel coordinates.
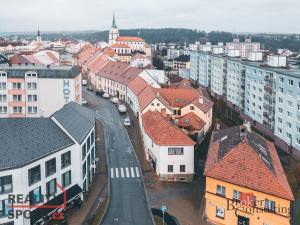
(126, 172)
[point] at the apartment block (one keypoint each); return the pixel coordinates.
(266, 93)
(35, 91)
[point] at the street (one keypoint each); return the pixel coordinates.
(128, 204)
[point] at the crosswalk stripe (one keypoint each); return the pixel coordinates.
(122, 172)
(127, 172)
(117, 173)
(132, 171)
(111, 172)
(137, 171)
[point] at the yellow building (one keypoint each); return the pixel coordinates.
(245, 182)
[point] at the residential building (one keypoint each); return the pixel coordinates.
(169, 150)
(35, 91)
(245, 182)
(218, 75)
(40, 153)
(243, 47)
(181, 62)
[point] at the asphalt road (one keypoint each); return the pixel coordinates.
(128, 204)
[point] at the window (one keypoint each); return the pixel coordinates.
(298, 141)
(192, 107)
(220, 212)
(3, 109)
(289, 124)
(298, 107)
(50, 167)
(270, 205)
(182, 168)
(5, 208)
(290, 104)
(31, 86)
(221, 190)
(83, 170)
(298, 130)
(280, 100)
(83, 151)
(3, 98)
(281, 90)
(66, 179)
(5, 184)
(32, 109)
(17, 98)
(51, 187)
(279, 120)
(289, 114)
(93, 137)
(170, 168)
(88, 144)
(65, 160)
(281, 79)
(17, 85)
(291, 82)
(279, 130)
(17, 109)
(236, 195)
(2, 86)
(280, 110)
(32, 98)
(35, 196)
(34, 175)
(175, 151)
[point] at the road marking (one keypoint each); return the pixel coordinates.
(117, 173)
(111, 172)
(127, 172)
(132, 172)
(122, 172)
(137, 171)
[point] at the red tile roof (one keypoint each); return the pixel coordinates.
(181, 97)
(98, 63)
(137, 85)
(85, 53)
(163, 132)
(191, 120)
(130, 39)
(109, 52)
(120, 46)
(243, 163)
(18, 59)
(119, 72)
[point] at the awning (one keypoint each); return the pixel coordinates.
(39, 213)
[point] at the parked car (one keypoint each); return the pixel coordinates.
(122, 108)
(99, 93)
(90, 88)
(84, 82)
(84, 102)
(105, 95)
(114, 100)
(127, 122)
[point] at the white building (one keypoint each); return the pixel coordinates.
(243, 47)
(39, 156)
(35, 91)
(170, 151)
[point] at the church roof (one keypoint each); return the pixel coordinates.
(114, 24)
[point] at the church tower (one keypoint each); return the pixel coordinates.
(113, 33)
(38, 37)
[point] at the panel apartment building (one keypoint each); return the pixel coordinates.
(266, 93)
(35, 91)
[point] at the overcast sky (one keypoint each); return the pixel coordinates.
(227, 15)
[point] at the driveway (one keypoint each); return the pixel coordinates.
(128, 203)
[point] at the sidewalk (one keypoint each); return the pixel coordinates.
(84, 215)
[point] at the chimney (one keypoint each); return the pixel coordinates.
(157, 94)
(201, 100)
(163, 113)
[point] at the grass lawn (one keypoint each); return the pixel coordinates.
(158, 220)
